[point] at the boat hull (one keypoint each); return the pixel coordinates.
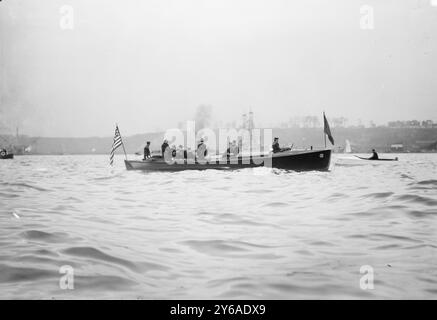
(380, 159)
(290, 160)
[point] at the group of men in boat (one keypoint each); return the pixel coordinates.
(202, 150)
(179, 152)
(233, 149)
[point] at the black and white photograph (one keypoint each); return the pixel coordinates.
(223, 150)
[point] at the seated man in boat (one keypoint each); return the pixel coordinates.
(202, 150)
(239, 146)
(374, 155)
(189, 153)
(180, 152)
(227, 154)
(276, 148)
(147, 150)
(231, 150)
(234, 149)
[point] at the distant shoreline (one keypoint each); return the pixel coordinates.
(362, 140)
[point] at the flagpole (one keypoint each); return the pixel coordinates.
(324, 133)
(122, 144)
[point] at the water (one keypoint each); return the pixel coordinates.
(242, 234)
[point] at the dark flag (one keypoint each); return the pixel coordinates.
(327, 130)
(117, 142)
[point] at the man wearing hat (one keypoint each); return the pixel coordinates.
(201, 149)
(235, 150)
(164, 147)
(275, 145)
(277, 148)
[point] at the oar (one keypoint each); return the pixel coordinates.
(360, 158)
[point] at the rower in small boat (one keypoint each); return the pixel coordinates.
(374, 155)
(276, 148)
(147, 150)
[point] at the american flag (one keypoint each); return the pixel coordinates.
(117, 142)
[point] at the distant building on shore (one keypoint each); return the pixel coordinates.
(412, 124)
(397, 147)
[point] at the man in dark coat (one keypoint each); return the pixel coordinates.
(374, 155)
(275, 145)
(276, 148)
(147, 151)
(164, 147)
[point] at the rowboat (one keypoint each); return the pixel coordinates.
(380, 159)
(288, 160)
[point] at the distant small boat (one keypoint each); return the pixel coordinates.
(380, 159)
(347, 148)
(7, 156)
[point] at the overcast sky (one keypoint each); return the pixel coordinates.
(147, 64)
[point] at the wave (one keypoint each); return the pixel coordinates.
(422, 213)
(227, 218)
(394, 237)
(406, 176)
(428, 182)
(110, 177)
(25, 185)
(276, 204)
(424, 185)
(95, 254)
(378, 195)
(414, 198)
(8, 195)
(103, 282)
(222, 247)
(44, 236)
(20, 274)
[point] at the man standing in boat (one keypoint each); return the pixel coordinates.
(147, 151)
(164, 147)
(180, 152)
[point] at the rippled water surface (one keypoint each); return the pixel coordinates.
(251, 233)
